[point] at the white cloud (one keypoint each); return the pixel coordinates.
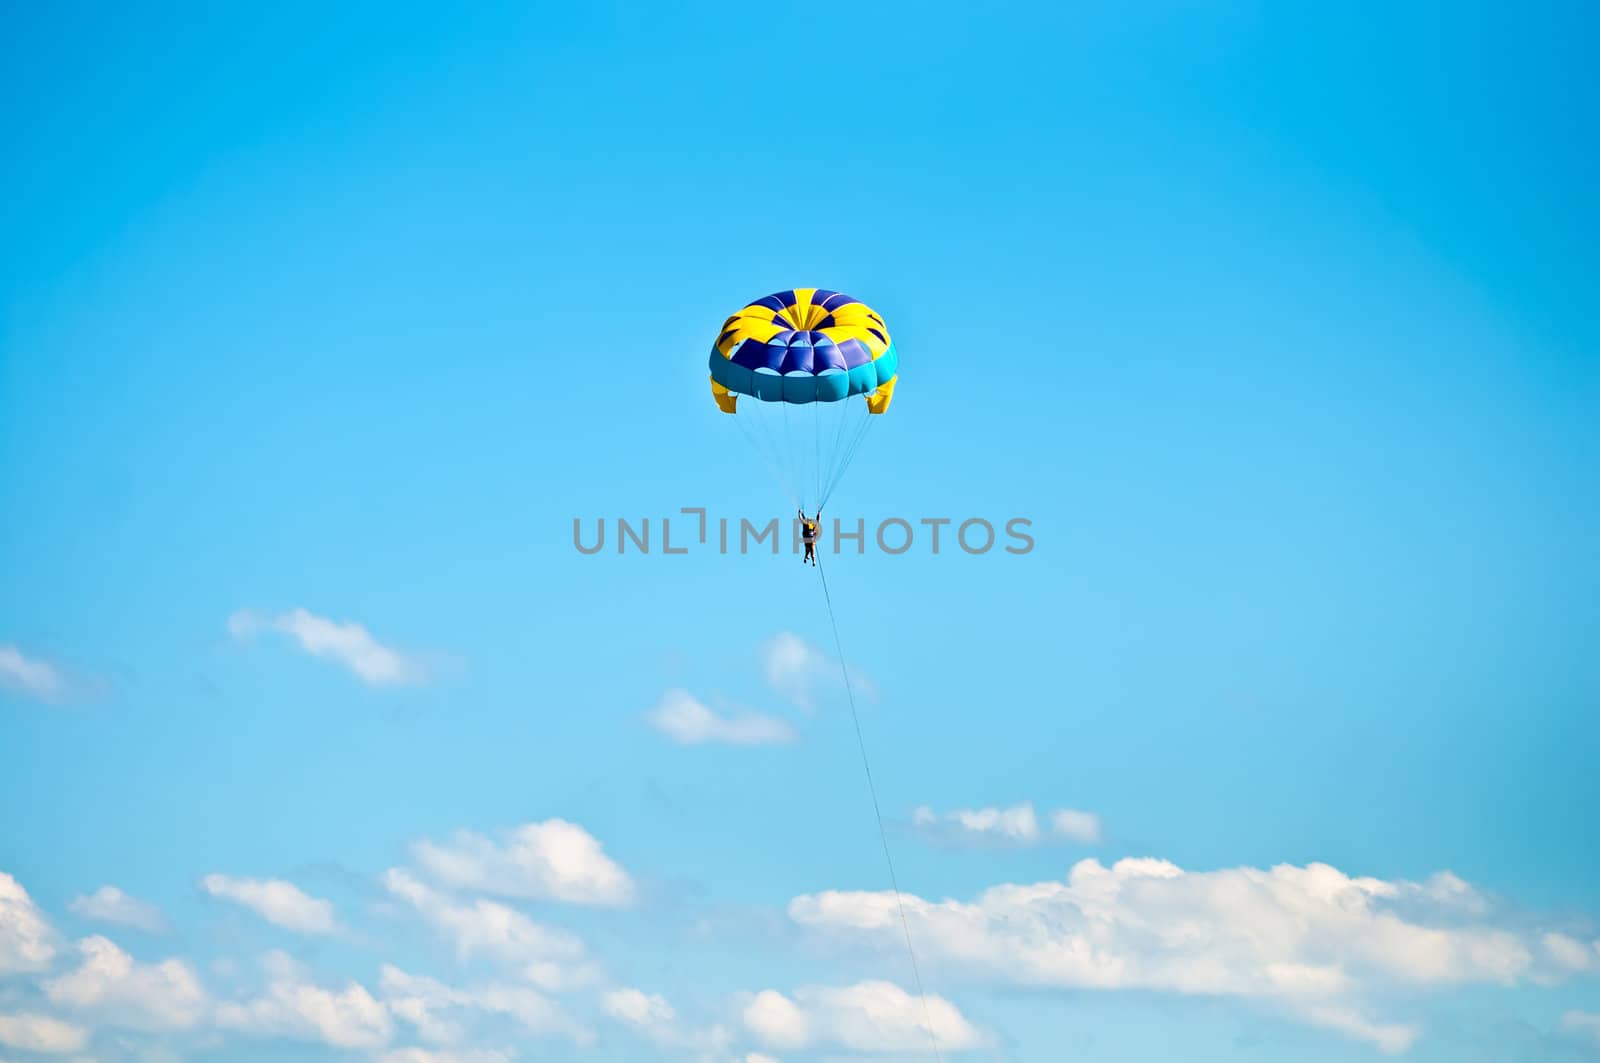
(798, 670)
(122, 992)
(426, 1055)
(1583, 1023)
(560, 977)
(792, 666)
(438, 1011)
(1312, 938)
(348, 643)
(777, 1020)
(482, 927)
(552, 860)
(1077, 826)
(866, 1017)
(638, 1008)
(26, 940)
(760, 1057)
(296, 1008)
(278, 902)
(653, 1017)
(1446, 890)
(30, 676)
(40, 1033)
(531, 1010)
(1570, 954)
(424, 1003)
(108, 904)
(1390, 1038)
(682, 718)
(1014, 826)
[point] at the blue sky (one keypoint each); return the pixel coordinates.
(319, 739)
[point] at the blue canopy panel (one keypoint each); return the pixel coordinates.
(799, 367)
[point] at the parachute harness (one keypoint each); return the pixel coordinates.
(877, 812)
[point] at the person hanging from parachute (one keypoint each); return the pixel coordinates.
(808, 534)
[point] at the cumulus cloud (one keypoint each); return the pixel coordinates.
(866, 1017)
(777, 1020)
(278, 902)
(30, 676)
(27, 1032)
(480, 927)
(26, 941)
(760, 1057)
(296, 1008)
(552, 860)
(121, 992)
(1015, 826)
(1313, 938)
(682, 718)
(108, 904)
(346, 643)
(439, 1011)
(799, 670)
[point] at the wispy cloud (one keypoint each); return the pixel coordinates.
(1015, 826)
(108, 904)
(414, 1054)
(278, 902)
(1312, 939)
(1076, 825)
(638, 1008)
(28, 1032)
(294, 1007)
(866, 1017)
(652, 1017)
(1570, 954)
(345, 642)
(1390, 1038)
(479, 927)
(682, 718)
(30, 676)
(799, 671)
(446, 1055)
(552, 860)
(441, 1012)
(1585, 1024)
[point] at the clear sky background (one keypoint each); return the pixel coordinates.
(319, 327)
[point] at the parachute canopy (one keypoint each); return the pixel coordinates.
(806, 347)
